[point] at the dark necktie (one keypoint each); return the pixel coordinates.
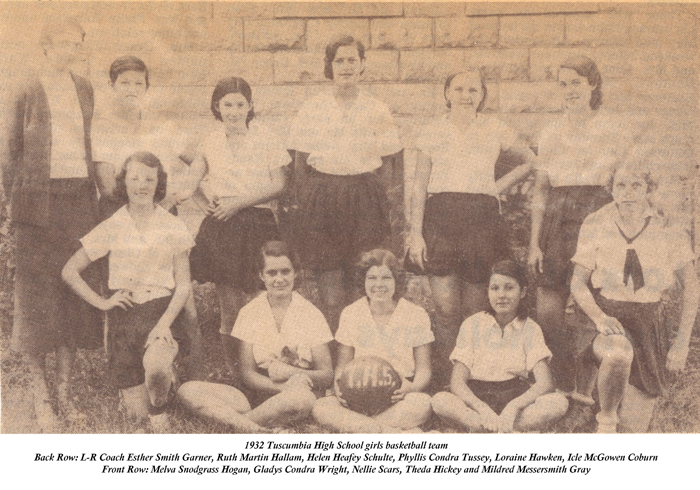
(633, 267)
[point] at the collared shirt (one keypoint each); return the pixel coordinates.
(602, 249)
(67, 128)
(465, 160)
(162, 138)
(493, 353)
(582, 156)
(140, 262)
(303, 328)
(344, 141)
(408, 327)
(247, 171)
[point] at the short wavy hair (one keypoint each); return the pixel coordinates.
(127, 63)
(149, 160)
(379, 257)
(332, 50)
(233, 85)
(277, 248)
(512, 269)
(586, 67)
(448, 83)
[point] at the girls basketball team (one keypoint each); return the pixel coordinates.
(594, 238)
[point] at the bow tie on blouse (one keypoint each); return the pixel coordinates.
(633, 268)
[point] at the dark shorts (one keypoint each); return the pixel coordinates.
(47, 312)
(567, 207)
(338, 218)
(497, 394)
(226, 252)
(465, 234)
(127, 335)
(645, 330)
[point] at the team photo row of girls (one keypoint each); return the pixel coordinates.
(102, 254)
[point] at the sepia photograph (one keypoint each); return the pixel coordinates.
(311, 218)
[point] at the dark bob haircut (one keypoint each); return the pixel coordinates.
(448, 82)
(379, 257)
(510, 268)
(277, 248)
(62, 26)
(149, 160)
(586, 67)
(127, 63)
(332, 49)
(233, 85)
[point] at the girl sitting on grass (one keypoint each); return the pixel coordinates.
(497, 350)
(149, 276)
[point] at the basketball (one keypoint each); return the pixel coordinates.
(367, 384)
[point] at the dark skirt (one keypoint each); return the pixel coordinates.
(497, 394)
(338, 218)
(567, 207)
(226, 252)
(644, 328)
(464, 234)
(48, 313)
(127, 335)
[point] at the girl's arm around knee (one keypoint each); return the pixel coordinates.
(71, 275)
(678, 354)
(458, 386)
(183, 289)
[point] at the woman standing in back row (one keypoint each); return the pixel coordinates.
(577, 153)
(341, 138)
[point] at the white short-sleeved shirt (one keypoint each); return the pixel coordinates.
(67, 128)
(602, 249)
(163, 139)
(495, 354)
(344, 141)
(464, 161)
(248, 169)
(303, 328)
(582, 156)
(140, 262)
(408, 327)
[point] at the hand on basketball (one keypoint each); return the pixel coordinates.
(506, 420)
(417, 250)
(121, 299)
(608, 325)
(400, 394)
(280, 372)
(676, 357)
(534, 261)
(225, 208)
(298, 381)
(489, 418)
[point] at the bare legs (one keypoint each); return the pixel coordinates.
(454, 300)
(614, 352)
(551, 305)
(546, 409)
(407, 414)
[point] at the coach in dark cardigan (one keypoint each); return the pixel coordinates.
(49, 179)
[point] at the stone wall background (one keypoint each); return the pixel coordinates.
(647, 53)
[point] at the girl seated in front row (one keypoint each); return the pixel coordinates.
(149, 275)
(284, 355)
(385, 325)
(496, 352)
(629, 258)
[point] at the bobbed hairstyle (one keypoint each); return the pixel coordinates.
(586, 67)
(332, 49)
(233, 85)
(149, 160)
(512, 269)
(277, 248)
(379, 257)
(448, 83)
(127, 63)
(59, 26)
(641, 169)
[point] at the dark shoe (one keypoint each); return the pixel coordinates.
(577, 418)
